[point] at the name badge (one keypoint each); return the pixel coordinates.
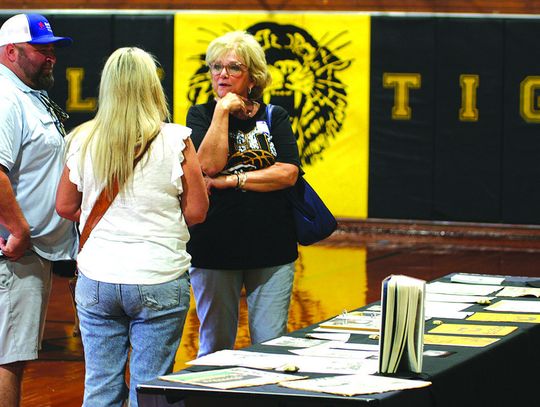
(262, 127)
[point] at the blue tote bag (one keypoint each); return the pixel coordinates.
(313, 220)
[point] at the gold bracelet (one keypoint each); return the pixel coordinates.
(237, 181)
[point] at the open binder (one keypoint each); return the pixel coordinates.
(401, 340)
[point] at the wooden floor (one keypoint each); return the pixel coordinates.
(332, 277)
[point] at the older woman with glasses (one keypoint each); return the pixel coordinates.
(248, 239)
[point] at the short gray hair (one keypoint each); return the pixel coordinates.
(248, 48)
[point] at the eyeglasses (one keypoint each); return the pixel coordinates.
(56, 112)
(233, 69)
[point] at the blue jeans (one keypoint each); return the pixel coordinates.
(217, 295)
(115, 317)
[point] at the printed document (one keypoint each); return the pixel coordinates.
(439, 287)
(230, 378)
(476, 279)
(515, 306)
(352, 385)
(519, 292)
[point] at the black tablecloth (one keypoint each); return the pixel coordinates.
(502, 374)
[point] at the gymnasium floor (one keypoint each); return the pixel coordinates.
(342, 274)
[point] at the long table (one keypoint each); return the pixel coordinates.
(505, 373)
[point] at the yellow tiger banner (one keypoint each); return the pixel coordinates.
(320, 70)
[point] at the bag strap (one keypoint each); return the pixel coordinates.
(269, 108)
(103, 201)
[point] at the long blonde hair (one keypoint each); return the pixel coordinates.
(131, 109)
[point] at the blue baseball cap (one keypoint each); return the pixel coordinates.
(30, 28)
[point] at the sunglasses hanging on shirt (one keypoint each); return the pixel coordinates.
(56, 112)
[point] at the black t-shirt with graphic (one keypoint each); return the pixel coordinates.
(246, 229)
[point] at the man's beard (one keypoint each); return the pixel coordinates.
(38, 77)
(44, 81)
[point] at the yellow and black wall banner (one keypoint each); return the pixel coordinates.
(428, 117)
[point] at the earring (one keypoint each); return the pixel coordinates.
(249, 91)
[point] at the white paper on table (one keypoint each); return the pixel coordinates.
(329, 336)
(259, 360)
(315, 364)
(230, 378)
(352, 385)
(347, 331)
(458, 298)
(449, 314)
(518, 292)
(328, 352)
(476, 279)
(529, 306)
(356, 346)
(292, 342)
(461, 289)
(229, 357)
(433, 307)
(452, 310)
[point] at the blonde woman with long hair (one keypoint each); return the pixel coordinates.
(133, 289)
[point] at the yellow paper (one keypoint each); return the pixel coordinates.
(472, 341)
(470, 329)
(497, 317)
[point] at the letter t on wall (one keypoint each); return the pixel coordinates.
(401, 82)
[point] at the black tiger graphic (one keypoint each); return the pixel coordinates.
(304, 81)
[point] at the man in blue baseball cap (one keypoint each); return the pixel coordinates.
(32, 235)
(30, 37)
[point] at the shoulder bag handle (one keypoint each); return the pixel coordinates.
(102, 203)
